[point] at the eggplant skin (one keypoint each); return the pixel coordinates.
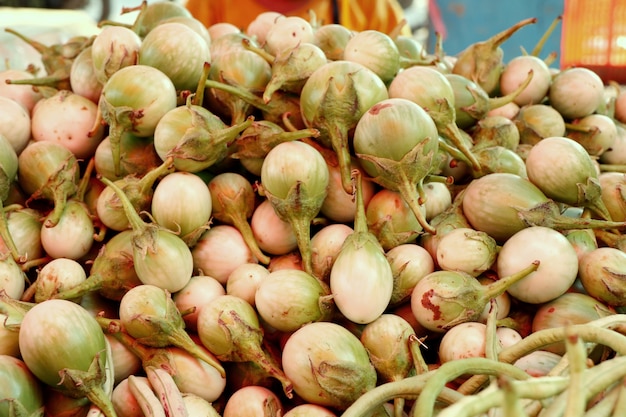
(57, 335)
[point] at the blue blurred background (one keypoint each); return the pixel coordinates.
(469, 21)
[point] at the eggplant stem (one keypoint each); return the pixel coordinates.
(501, 37)
(451, 132)
(269, 58)
(5, 234)
(551, 58)
(100, 399)
(246, 231)
(92, 283)
(339, 143)
(134, 219)
(241, 93)
(182, 340)
(409, 193)
(198, 98)
(116, 130)
(360, 217)
(251, 349)
(35, 263)
(84, 181)
(544, 38)
(38, 46)
(497, 102)
(104, 23)
(299, 208)
(89, 384)
(60, 201)
(302, 230)
(547, 214)
(499, 286)
(148, 180)
(415, 344)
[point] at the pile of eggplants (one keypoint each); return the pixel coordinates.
(296, 219)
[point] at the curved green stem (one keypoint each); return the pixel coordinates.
(38, 46)
(60, 201)
(409, 388)
(596, 380)
(539, 389)
(598, 331)
(492, 345)
(619, 409)
(398, 406)
(54, 82)
(605, 406)
(439, 178)
(590, 332)
(577, 357)
(449, 371)
(512, 405)
(533, 388)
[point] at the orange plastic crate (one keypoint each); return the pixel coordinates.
(594, 36)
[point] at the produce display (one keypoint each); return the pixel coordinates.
(295, 219)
